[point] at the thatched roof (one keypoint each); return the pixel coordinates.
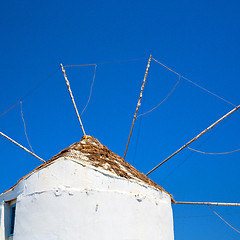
(93, 153)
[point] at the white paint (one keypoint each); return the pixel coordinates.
(2, 225)
(70, 199)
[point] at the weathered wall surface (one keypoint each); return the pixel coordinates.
(67, 200)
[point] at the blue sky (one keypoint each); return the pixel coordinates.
(200, 40)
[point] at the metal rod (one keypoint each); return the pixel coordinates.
(138, 105)
(71, 95)
(19, 145)
(208, 203)
(194, 139)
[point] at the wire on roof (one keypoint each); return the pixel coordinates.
(25, 129)
(224, 220)
(31, 91)
(213, 153)
(163, 99)
(101, 63)
(90, 94)
(195, 84)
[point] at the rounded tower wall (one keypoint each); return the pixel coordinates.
(67, 200)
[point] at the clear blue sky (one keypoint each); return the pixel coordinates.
(199, 39)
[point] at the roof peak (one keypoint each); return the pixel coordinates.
(92, 153)
(90, 150)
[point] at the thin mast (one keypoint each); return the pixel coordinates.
(138, 105)
(19, 145)
(71, 95)
(208, 203)
(194, 139)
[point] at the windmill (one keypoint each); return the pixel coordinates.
(89, 187)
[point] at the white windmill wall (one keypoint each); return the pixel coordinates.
(67, 200)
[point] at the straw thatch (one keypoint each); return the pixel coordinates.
(90, 150)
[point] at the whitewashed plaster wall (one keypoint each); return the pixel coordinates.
(67, 200)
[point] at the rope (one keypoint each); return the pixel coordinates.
(81, 65)
(195, 84)
(209, 91)
(166, 67)
(163, 99)
(101, 63)
(224, 220)
(191, 153)
(25, 129)
(90, 90)
(11, 107)
(31, 91)
(194, 139)
(213, 153)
